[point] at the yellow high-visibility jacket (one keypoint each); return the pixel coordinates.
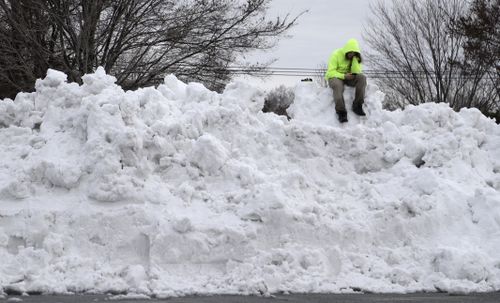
(338, 65)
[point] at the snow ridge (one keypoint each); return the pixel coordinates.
(178, 190)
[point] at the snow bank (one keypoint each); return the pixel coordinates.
(179, 190)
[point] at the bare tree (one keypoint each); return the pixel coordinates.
(412, 43)
(480, 27)
(278, 100)
(136, 40)
(319, 75)
(22, 34)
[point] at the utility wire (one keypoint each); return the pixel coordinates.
(315, 72)
(309, 72)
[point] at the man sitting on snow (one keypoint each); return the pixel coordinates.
(344, 67)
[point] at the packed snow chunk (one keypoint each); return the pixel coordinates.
(462, 265)
(209, 154)
(423, 182)
(63, 174)
(53, 79)
(54, 244)
(17, 189)
(115, 187)
(173, 89)
(485, 210)
(136, 277)
(96, 83)
(4, 239)
(20, 112)
(243, 95)
(183, 225)
(197, 92)
(7, 112)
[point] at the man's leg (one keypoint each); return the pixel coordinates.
(359, 99)
(338, 94)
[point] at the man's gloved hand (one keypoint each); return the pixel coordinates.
(350, 76)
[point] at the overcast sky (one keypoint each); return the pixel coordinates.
(326, 26)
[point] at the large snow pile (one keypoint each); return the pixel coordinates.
(179, 190)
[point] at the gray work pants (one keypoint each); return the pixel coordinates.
(359, 82)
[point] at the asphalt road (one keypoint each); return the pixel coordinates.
(296, 298)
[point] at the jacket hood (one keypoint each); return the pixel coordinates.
(352, 46)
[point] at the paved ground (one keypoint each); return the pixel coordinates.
(309, 298)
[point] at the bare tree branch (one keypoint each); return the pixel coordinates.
(138, 41)
(413, 40)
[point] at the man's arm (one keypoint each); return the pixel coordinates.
(332, 71)
(356, 67)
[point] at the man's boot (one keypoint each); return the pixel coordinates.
(342, 117)
(358, 109)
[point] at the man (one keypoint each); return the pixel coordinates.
(344, 68)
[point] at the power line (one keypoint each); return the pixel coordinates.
(315, 72)
(310, 72)
(302, 71)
